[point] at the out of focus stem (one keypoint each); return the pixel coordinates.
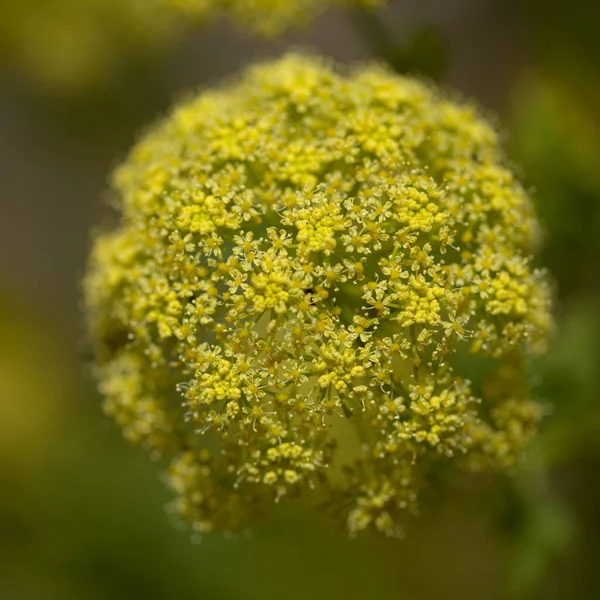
(424, 53)
(377, 36)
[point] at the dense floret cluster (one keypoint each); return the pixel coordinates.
(304, 262)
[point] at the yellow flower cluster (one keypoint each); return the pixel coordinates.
(304, 262)
(265, 17)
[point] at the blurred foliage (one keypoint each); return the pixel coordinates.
(555, 138)
(75, 46)
(547, 527)
(557, 142)
(564, 39)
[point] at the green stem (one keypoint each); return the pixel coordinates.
(425, 52)
(376, 35)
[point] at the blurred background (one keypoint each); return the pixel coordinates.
(81, 512)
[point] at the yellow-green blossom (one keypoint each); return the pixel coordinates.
(300, 260)
(265, 17)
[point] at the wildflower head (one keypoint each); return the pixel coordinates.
(302, 263)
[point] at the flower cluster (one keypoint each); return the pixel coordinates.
(305, 261)
(265, 17)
